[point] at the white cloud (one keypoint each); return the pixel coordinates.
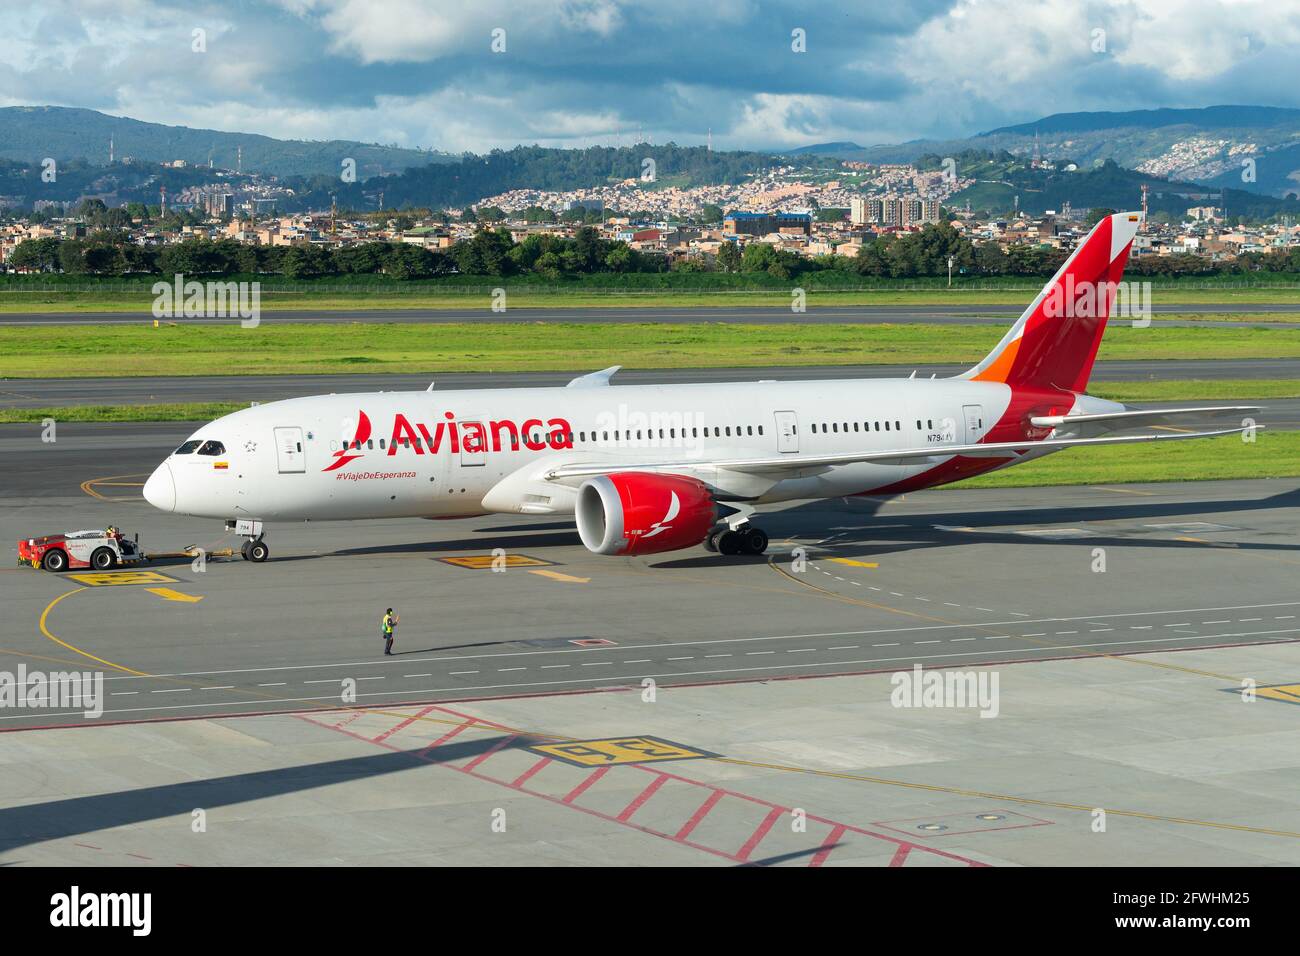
(420, 72)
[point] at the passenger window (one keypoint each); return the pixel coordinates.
(212, 448)
(835, 426)
(855, 426)
(728, 431)
(381, 444)
(898, 426)
(886, 426)
(929, 423)
(187, 448)
(370, 444)
(760, 429)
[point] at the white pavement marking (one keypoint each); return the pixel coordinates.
(731, 670)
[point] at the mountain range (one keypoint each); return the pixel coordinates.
(28, 134)
(1206, 145)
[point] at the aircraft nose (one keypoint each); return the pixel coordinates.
(160, 489)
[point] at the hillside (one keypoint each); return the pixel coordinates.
(470, 178)
(31, 133)
(1197, 145)
(1002, 176)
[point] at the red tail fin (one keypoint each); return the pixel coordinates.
(1054, 343)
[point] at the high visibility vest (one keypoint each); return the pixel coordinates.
(387, 624)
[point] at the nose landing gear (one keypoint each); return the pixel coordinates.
(254, 548)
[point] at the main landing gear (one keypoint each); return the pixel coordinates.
(254, 548)
(745, 539)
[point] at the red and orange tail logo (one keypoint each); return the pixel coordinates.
(362, 435)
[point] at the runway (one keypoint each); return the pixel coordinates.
(748, 315)
(848, 587)
(55, 392)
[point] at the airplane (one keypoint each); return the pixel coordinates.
(655, 468)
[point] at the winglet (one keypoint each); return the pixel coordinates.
(594, 379)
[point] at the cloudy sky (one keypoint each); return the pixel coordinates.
(577, 72)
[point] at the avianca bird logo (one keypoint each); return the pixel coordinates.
(341, 457)
(663, 524)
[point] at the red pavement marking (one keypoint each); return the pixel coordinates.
(495, 748)
(349, 718)
(523, 777)
(403, 725)
(641, 798)
(581, 788)
(828, 844)
(901, 853)
(760, 832)
(699, 814)
(716, 794)
(437, 743)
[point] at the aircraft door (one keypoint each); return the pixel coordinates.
(974, 416)
(289, 453)
(787, 432)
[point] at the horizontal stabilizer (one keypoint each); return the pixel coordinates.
(1141, 416)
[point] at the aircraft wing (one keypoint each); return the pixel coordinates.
(796, 462)
(1134, 417)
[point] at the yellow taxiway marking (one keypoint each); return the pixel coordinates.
(1126, 491)
(854, 564)
(557, 576)
(882, 781)
(88, 486)
(617, 750)
(1290, 693)
(97, 579)
(483, 562)
(76, 650)
(171, 595)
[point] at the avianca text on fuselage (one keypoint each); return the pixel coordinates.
(535, 434)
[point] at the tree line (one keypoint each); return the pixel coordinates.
(493, 252)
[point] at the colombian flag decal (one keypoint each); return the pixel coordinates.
(220, 465)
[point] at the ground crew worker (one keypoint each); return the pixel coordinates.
(386, 629)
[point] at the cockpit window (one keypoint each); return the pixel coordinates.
(212, 448)
(188, 447)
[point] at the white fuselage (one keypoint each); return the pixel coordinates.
(282, 460)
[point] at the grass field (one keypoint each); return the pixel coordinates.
(131, 350)
(13, 301)
(1271, 455)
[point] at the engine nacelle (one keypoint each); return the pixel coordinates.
(637, 513)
